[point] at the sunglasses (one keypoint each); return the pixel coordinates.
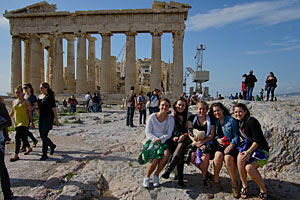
(42, 87)
(25, 87)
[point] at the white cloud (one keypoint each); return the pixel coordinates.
(257, 52)
(3, 22)
(263, 12)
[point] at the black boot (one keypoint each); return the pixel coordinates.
(170, 167)
(180, 174)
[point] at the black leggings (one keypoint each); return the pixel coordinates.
(21, 134)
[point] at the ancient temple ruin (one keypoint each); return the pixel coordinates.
(40, 26)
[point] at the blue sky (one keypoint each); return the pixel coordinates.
(238, 35)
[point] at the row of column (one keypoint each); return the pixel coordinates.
(85, 79)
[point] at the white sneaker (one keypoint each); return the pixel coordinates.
(146, 182)
(156, 181)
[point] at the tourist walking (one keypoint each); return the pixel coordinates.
(154, 102)
(202, 122)
(254, 151)
(130, 103)
(159, 128)
(21, 111)
(141, 106)
(179, 139)
(250, 82)
(29, 96)
(5, 122)
(227, 138)
(271, 84)
(47, 113)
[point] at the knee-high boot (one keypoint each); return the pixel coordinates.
(170, 167)
(180, 174)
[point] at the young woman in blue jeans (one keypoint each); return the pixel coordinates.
(226, 138)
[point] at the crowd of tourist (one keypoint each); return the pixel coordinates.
(211, 134)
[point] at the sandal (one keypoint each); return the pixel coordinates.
(244, 192)
(262, 196)
(235, 192)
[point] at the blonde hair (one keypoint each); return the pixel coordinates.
(199, 135)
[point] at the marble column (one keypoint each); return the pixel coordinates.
(177, 79)
(16, 63)
(42, 65)
(50, 61)
(105, 80)
(70, 72)
(91, 64)
(26, 68)
(113, 72)
(130, 62)
(155, 76)
(58, 79)
(35, 58)
(81, 80)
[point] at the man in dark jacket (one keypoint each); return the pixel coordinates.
(250, 82)
(130, 103)
(5, 122)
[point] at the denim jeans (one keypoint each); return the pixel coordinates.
(95, 107)
(87, 106)
(142, 114)
(72, 108)
(5, 182)
(270, 89)
(129, 117)
(45, 125)
(249, 93)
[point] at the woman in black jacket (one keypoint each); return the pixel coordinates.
(179, 139)
(5, 122)
(47, 113)
(254, 150)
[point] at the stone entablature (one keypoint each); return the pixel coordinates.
(48, 20)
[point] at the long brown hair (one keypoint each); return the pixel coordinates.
(29, 86)
(49, 90)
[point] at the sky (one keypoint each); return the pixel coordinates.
(238, 36)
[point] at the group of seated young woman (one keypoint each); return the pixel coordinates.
(235, 141)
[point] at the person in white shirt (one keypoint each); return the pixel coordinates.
(87, 98)
(159, 128)
(201, 97)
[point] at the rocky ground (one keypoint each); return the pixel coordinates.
(96, 158)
